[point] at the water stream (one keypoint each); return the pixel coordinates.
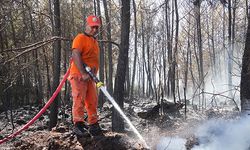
(117, 107)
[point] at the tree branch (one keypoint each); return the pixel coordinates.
(112, 42)
(33, 47)
(35, 44)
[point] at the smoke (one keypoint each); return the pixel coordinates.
(171, 143)
(214, 135)
(224, 135)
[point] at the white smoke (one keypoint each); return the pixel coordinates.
(224, 135)
(214, 135)
(171, 143)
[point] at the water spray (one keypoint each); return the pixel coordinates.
(101, 86)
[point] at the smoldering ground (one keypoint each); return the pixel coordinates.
(216, 134)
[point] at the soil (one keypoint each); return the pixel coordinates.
(38, 137)
(46, 140)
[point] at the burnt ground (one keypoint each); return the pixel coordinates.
(54, 140)
(61, 137)
(152, 129)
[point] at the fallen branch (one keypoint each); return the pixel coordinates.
(220, 94)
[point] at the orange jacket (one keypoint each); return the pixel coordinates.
(89, 50)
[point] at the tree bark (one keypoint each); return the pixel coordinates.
(169, 49)
(143, 55)
(135, 55)
(245, 75)
(110, 61)
(101, 71)
(127, 82)
(200, 58)
(148, 69)
(175, 72)
(230, 52)
(56, 64)
(117, 121)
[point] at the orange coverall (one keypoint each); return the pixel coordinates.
(84, 92)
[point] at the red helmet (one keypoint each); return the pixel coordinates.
(93, 21)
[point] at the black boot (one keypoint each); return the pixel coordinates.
(95, 129)
(80, 130)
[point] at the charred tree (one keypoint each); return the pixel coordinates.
(56, 63)
(117, 121)
(245, 75)
(230, 48)
(200, 52)
(101, 70)
(110, 62)
(135, 55)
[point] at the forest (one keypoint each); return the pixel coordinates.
(179, 70)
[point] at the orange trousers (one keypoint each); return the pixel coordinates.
(84, 97)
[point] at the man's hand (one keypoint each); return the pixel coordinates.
(85, 77)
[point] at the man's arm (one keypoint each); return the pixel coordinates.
(76, 55)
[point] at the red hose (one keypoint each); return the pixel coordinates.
(40, 112)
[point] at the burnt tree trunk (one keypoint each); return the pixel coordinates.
(101, 70)
(110, 62)
(143, 54)
(135, 55)
(200, 53)
(230, 51)
(117, 121)
(56, 64)
(245, 75)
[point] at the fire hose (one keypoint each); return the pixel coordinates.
(26, 126)
(99, 85)
(58, 89)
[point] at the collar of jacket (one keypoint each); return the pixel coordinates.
(89, 35)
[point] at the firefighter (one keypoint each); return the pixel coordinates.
(85, 50)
